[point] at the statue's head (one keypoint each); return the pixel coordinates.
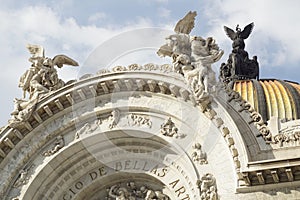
(238, 29)
(48, 62)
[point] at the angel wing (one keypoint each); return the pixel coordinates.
(247, 31)
(186, 24)
(165, 50)
(230, 33)
(61, 60)
(36, 50)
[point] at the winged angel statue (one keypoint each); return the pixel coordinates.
(239, 66)
(42, 76)
(39, 79)
(192, 56)
(239, 36)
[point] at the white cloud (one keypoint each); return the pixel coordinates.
(163, 12)
(162, 1)
(275, 38)
(42, 25)
(99, 16)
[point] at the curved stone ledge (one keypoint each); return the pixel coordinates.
(91, 102)
(89, 89)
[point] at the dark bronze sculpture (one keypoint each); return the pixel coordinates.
(238, 65)
(239, 36)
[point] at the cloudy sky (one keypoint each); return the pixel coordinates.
(131, 31)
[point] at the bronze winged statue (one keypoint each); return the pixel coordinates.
(239, 36)
(239, 66)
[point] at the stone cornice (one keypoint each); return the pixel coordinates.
(272, 174)
(89, 88)
(265, 172)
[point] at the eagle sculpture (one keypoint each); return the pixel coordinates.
(186, 24)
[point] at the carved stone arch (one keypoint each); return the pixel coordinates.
(176, 103)
(243, 128)
(113, 159)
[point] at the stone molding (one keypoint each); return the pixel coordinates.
(261, 172)
(105, 84)
(75, 93)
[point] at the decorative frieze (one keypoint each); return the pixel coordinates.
(255, 117)
(276, 175)
(208, 187)
(131, 191)
(93, 90)
(58, 144)
(199, 155)
(9, 143)
(288, 137)
(139, 120)
(88, 128)
(104, 87)
(289, 174)
(24, 176)
(168, 128)
(260, 178)
(114, 118)
(58, 104)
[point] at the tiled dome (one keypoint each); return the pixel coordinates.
(271, 97)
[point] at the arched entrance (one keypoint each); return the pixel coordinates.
(103, 164)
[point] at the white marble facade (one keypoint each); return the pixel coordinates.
(142, 132)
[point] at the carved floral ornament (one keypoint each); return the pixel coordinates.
(164, 68)
(168, 128)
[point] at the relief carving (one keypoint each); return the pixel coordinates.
(289, 136)
(256, 118)
(103, 71)
(208, 187)
(169, 129)
(198, 155)
(119, 69)
(59, 143)
(88, 128)
(24, 176)
(114, 118)
(139, 120)
(134, 67)
(131, 191)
